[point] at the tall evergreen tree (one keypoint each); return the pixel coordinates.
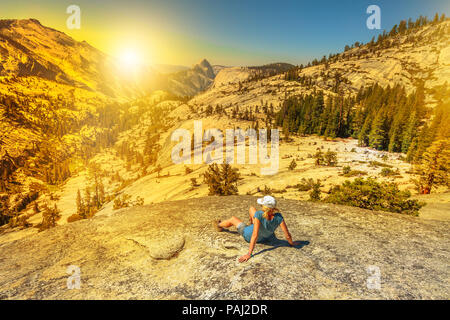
(435, 166)
(377, 134)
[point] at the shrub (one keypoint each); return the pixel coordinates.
(314, 195)
(125, 201)
(122, 201)
(49, 217)
(369, 194)
(187, 170)
(74, 217)
(355, 173)
(305, 184)
(388, 172)
(138, 202)
(20, 221)
(319, 157)
(194, 182)
(221, 181)
(348, 172)
(293, 165)
(267, 190)
(330, 158)
(379, 164)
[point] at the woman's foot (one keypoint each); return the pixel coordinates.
(216, 225)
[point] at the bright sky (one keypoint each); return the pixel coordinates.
(228, 32)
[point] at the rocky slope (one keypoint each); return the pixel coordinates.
(406, 59)
(170, 251)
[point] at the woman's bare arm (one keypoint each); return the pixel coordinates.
(286, 233)
(256, 224)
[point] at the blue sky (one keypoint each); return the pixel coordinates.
(229, 32)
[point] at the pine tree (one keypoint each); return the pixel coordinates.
(49, 217)
(330, 158)
(408, 135)
(435, 166)
(87, 203)
(221, 181)
(363, 136)
(318, 107)
(378, 133)
(286, 129)
(319, 157)
(212, 178)
(436, 18)
(230, 177)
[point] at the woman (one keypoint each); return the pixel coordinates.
(263, 223)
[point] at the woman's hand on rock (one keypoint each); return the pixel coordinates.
(245, 258)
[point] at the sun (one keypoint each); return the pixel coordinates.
(129, 59)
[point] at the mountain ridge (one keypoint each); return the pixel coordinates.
(421, 55)
(28, 48)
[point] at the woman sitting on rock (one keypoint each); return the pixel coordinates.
(263, 224)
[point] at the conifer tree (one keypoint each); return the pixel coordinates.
(409, 132)
(230, 177)
(319, 157)
(80, 207)
(377, 133)
(221, 181)
(435, 166)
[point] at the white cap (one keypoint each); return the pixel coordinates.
(267, 201)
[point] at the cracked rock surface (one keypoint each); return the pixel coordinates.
(171, 251)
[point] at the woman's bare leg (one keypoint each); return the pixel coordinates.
(233, 221)
(251, 214)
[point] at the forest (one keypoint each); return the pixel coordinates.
(386, 119)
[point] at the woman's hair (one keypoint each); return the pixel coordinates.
(267, 211)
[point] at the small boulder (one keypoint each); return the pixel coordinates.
(165, 249)
(162, 247)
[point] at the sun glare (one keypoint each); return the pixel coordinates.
(129, 59)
